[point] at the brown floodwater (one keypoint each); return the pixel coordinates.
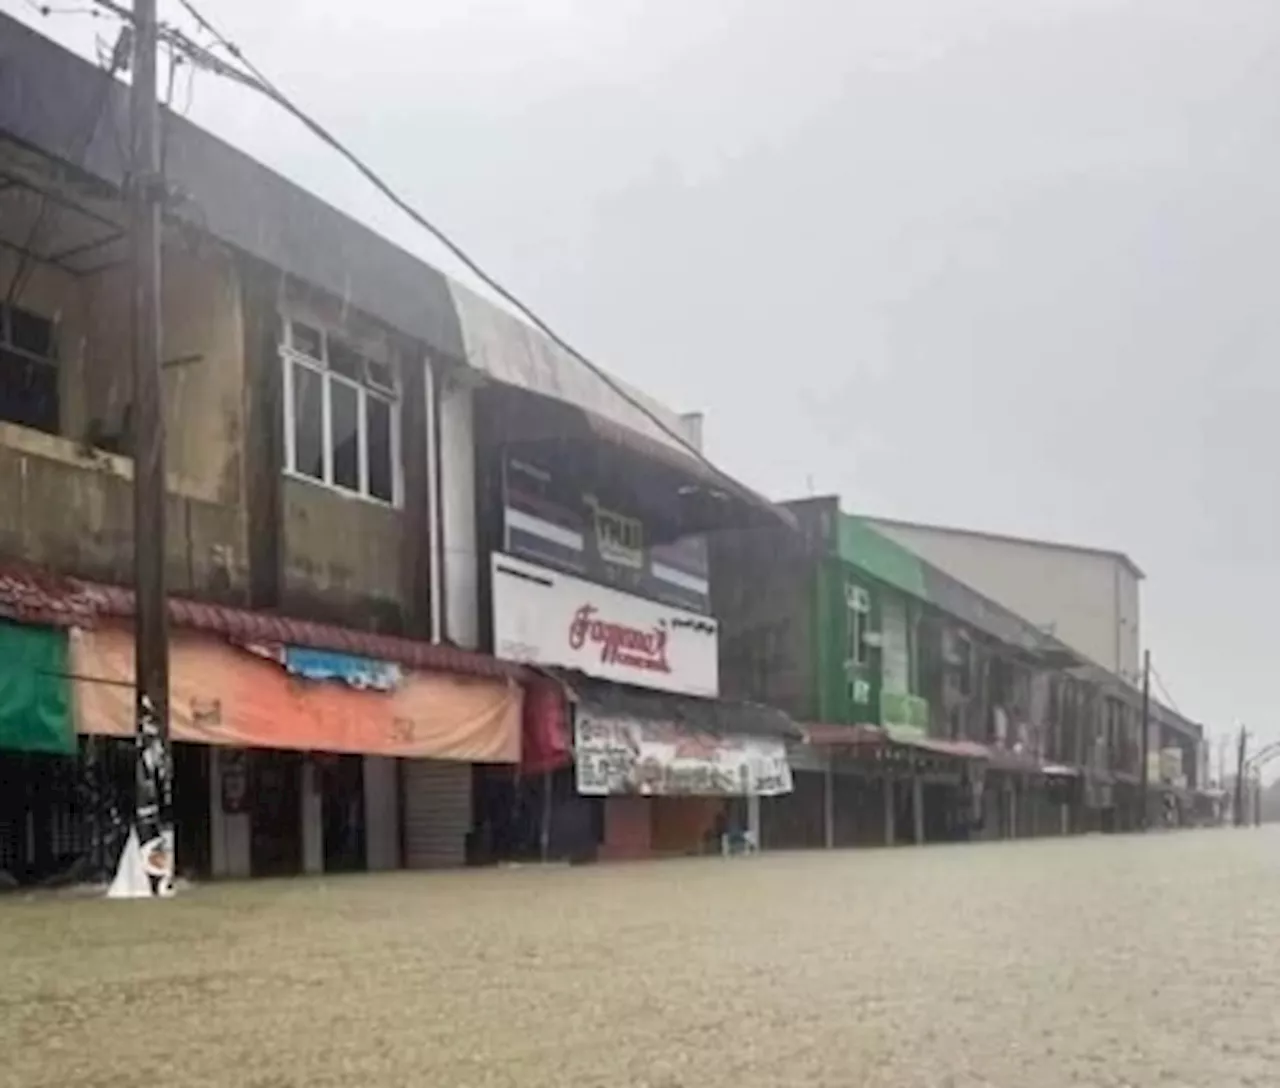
(1095, 961)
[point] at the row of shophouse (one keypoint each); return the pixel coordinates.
(441, 593)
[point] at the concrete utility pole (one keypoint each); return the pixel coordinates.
(154, 808)
(1146, 738)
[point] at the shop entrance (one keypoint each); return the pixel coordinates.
(342, 812)
(275, 812)
(191, 809)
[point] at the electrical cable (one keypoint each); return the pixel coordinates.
(1165, 691)
(253, 78)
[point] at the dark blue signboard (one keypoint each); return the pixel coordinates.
(546, 520)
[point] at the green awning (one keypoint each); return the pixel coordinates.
(35, 696)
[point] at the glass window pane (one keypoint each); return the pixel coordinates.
(345, 360)
(308, 422)
(31, 332)
(28, 392)
(344, 431)
(380, 375)
(305, 339)
(381, 474)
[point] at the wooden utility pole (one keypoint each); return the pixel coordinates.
(154, 809)
(1239, 796)
(1145, 791)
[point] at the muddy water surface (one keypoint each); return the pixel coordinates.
(1099, 961)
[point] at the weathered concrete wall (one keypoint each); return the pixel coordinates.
(71, 511)
(342, 557)
(203, 347)
(762, 595)
(68, 504)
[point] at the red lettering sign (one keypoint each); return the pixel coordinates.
(619, 644)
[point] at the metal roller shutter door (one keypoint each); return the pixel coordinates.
(437, 813)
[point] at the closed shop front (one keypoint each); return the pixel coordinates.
(319, 756)
(437, 812)
(668, 768)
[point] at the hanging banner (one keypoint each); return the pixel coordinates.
(616, 755)
(35, 713)
(542, 616)
(220, 694)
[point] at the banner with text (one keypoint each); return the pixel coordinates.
(618, 755)
(545, 617)
(220, 694)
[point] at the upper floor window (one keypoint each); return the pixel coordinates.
(28, 370)
(342, 412)
(858, 605)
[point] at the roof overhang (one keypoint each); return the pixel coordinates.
(696, 494)
(720, 717)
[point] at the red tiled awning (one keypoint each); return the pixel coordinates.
(960, 749)
(829, 735)
(32, 596)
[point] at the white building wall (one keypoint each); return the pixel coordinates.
(1087, 599)
(458, 513)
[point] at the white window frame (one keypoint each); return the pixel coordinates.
(858, 616)
(291, 357)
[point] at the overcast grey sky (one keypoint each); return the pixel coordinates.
(1009, 264)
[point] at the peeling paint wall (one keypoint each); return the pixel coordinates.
(69, 500)
(342, 557)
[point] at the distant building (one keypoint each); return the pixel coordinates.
(1087, 597)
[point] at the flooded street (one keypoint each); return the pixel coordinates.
(1098, 961)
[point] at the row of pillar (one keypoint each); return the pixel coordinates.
(916, 782)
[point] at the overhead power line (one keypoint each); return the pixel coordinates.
(1165, 691)
(249, 75)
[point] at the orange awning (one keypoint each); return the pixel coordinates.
(220, 694)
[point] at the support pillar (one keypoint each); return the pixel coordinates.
(312, 818)
(1013, 811)
(890, 814)
(917, 808)
(828, 806)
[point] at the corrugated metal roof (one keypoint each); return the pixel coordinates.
(29, 595)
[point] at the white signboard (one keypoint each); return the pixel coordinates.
(616, 755)
(548, 618)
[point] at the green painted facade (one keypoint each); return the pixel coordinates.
(867, 578)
